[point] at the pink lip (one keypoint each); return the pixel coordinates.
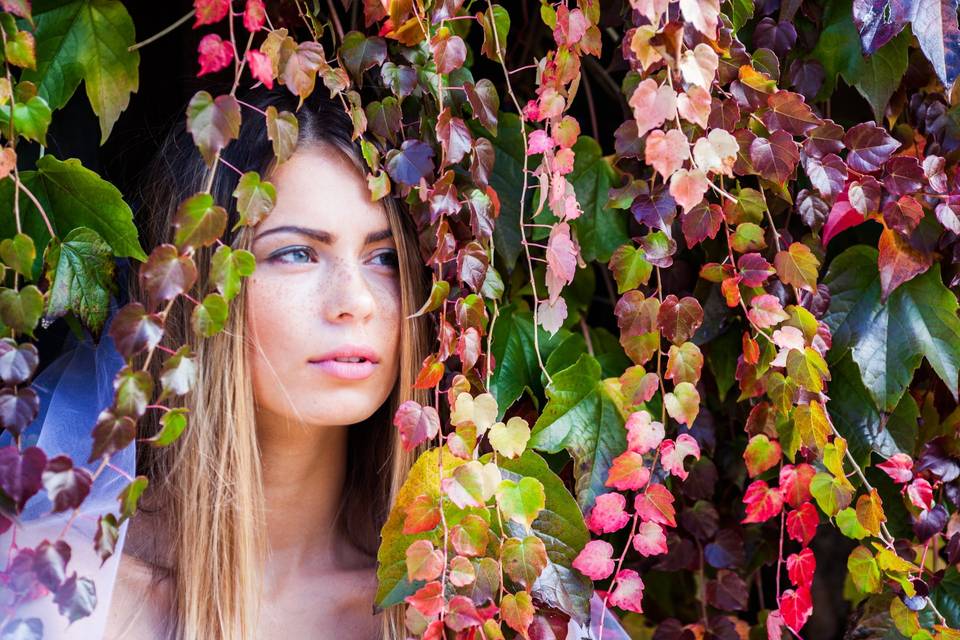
(348, 370)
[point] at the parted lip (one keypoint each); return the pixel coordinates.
(349, 351)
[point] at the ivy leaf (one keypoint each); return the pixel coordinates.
(360, 52)
(255, 199)
(884, 69)
(416, 423)
(172, 424)
(179, 373)
(679, 319)
(21, 310)
(17, 361)
(422, 480)
(838, 48)
(761, 454)
(521, 501)
(411, 162)
(111, 434)
(513, 350)
(21, 473)
(31, 118)
(86, 40)
(167, 274)
(18, 253)
(282, 130)
(797, 266)
(496, 25)
(198, 222)
(212, 123)
(878, 21)
(209, 316)
(584, 416)
(485, 103)
(870, 147)
(630, 268)
(899, 262)
(934, 22)
(790, 112)
(228, 266)
(888, 340)
(775, 157)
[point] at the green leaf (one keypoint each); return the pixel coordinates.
(31, 119)
(80, 271)
(513, 350)
(172, 424)
(228, 266)
(858, 420)
(630, 268)
(130, 496)
(888, 341)
(72, 196)
(849, 525)
(600, 228)
(18, 253)
(838, 48)
(521, 501)
(209, 316)
(199, 222)
(255, 199)
(740, 11)
(20, 310)
(496, 26)
(423, 479)
(583, 415)
(864, 570)
(946, 596)
(86, 40)
(213, 123)
(882, 73)
(832, 494)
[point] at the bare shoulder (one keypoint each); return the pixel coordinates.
(139, 604)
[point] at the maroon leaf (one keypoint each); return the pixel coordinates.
(700, 223)
(359, 52)
(725, 114)
(472, 262)
(67, 486)
(454, 137)
(827, 174)
(167, 274)
(754, 269)
(825, 139)
(789, 112)
(133, 330)
(870, 147)
(878, 21)
(18, 408)
(775, 158)
(21, 473)
(111, 434)
(903, 215)
(485, 102)
(806, 76)
(679, 319)
(449, 52)
(778, 36)
(899, 262)
(903, 174)
(727, 592)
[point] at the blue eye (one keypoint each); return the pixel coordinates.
(293, 251)
(392, 259)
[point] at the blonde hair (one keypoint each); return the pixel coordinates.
(206, 489)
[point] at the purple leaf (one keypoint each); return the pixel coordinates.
(878, 21)
(76, 598)
(414, 160)
(827, 174)
(67, 486)
(935, 24)
(21, 473)
(50, 563)
(902, 175)
(870, 147)
(778, 36)
(18, 408)
(17, 362)
(657, 210)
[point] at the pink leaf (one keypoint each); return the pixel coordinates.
(665, 152)
(762, 502)
(643, 434)
(561, 259)
(254, 15)
(842, 216)
(594, 561)
(608, 513)
(688, 188)
(210, 11)
(628, 593)
(260, 67)
(766, 311)
(775, 625)
(899, 467)
(656, 505)
(672, 454)
(920, 493)
(538, 142)
(652, 105)
(551, 316)
(694, 104)
(650, 540)
(215, 53)
(627, 472)
(416, 423)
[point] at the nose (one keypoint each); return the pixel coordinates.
(348, 293)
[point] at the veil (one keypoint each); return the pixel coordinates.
(72, 390)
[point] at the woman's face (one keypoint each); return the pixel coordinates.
(326, 290)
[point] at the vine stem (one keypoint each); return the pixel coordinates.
(523, 235)
(36, 203)
(13, 142)
(162, 33)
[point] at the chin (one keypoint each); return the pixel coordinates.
(343, 406)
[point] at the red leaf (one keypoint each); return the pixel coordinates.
(754, 269)
(790, 112)
(428, 600)
(627, 472)
(800, 567)
(762, 502)
(795, 483)
(796, 607)
(775, 157)
(215, 53)
(802, 523)
(700, 223)
(899, 467)
(903, 215)
(656, 505)
(899, 262)
(842, 217)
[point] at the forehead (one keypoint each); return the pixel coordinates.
(318, 187)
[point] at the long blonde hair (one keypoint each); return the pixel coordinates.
(206, 493)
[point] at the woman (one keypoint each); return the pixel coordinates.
(272, 499)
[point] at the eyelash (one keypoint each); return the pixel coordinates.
(275, 258)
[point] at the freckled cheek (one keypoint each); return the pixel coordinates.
(274, 319)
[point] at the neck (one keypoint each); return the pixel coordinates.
(303, 474)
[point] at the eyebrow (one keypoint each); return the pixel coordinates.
(324, 237)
